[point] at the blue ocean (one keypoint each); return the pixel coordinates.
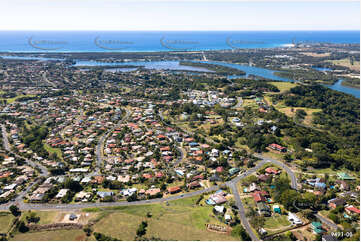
(150, 41)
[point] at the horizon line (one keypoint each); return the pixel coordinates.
(194, 30)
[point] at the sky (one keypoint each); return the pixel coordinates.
(178, 15)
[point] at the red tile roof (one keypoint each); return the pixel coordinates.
(174, 189)
(353, 209)
(258, 197)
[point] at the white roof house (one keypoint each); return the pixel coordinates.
(62, 193)
(219, 209)
(294, 219)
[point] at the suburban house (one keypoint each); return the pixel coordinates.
(263, 209)
(277, 147)
(352, 210)
(294, 219)
(333, 203)
(317, 227)
(173, 190)
(62, 193)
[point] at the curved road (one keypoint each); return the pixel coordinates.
(100, 145)
(290, 173)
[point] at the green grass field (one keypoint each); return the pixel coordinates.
(181, 220)
(346, 62)
(11, 100)
(58, 235)
(46, 217)
(5, 221)
(283, 86)
(53, 150)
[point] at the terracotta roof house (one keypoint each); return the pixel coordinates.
(152, 191)
(352, 210)
(219, 169)
(271, 170)
(258, 197)
(159, 174)
(166, 148)
(147, 176)
(333, 203)
(197, 177)
(98, 179)
(172, 190)
(277, 147)
(193, 185)
(161, 137)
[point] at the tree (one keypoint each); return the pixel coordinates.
(74, 186)
(132, 197)
(15, 210)
(88, 230)
(32, 218)
(239, 232)
(22, 227)
(142, 229)
(287, 157)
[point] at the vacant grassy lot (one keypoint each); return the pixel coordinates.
(11, 100)
(46, 217)
(50, 149)
(58, 235)
(273, 155)
(291, 112)
(276, 222)
(347, 63)
(5, 221)
(251, 103)
(283, 86)
(313, 54)
(181, 220)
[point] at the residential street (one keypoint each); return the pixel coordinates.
(329, 222)
(231, 184)
(100, 146)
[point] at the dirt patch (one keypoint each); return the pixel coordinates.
(313, 54)
(218, 228)
(80, 238)
(81, 218)
(56, 226)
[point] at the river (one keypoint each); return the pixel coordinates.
(249, 70)
(174, 65)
